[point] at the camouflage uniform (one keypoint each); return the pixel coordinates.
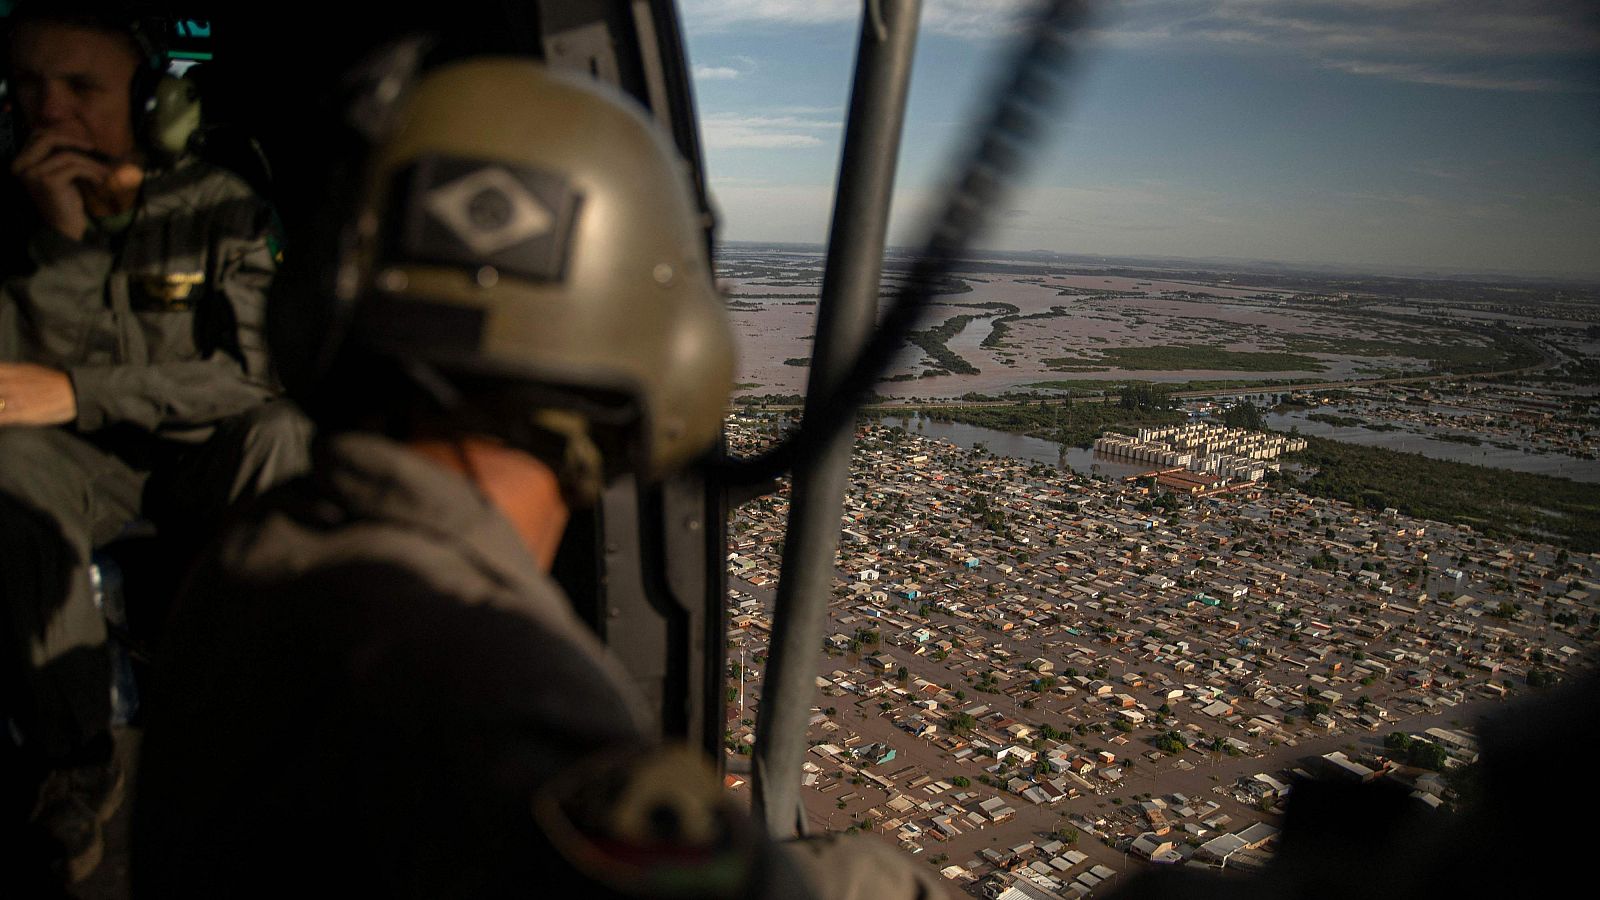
(158, 323)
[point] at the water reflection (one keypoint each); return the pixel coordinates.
(1001, 443)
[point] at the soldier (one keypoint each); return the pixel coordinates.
(133, 374)
(377, 688)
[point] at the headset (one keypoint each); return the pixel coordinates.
(165, 108)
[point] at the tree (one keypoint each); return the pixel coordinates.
(961, 781)
(1398, 740)
(1426, 755)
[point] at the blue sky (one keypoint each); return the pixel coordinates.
(1449, 135)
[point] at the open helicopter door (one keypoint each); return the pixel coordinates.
(645, 566)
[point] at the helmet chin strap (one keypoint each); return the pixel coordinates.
(580, 470)
(569, 450)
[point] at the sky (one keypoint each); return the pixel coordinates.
(1451, 136)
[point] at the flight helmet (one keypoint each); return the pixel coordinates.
(522, 227)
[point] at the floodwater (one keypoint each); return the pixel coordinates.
(1017, 446)
(1434, 309)
(779, 330)
(1088, 462)
(1411, 442)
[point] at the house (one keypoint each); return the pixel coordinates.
(1019, 755)
(1156, 848)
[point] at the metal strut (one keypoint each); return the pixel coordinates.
(846, 313)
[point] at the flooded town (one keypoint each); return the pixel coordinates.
(1041, 679)
(1129, 554)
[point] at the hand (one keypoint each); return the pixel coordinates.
(35, 395)
(58, 171)
(116, 194)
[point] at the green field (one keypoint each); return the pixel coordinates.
(1178, 357)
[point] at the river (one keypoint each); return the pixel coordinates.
(1484, 454)
(1088, 462)
(1001, 443)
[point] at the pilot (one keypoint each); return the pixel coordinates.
(133, 376)
(375, 688)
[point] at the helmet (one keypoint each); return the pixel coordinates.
(525, 227)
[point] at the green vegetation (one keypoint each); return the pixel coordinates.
(1095, 385)
(1504, 350)
(1336, 420)
(1076, 425)
(932, 341)
(1243, 415)
(997, 332)
(801, 361)
(995, 306)
(1187, 356)
(1496, 502)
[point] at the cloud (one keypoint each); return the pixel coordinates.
(1496, 45)
(740, 67)
(1418, 73)
(1501, 45)
(724, 131)
(971, 18)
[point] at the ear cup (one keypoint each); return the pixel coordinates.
(166, 109)
(171, 117)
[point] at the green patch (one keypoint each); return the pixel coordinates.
(1178, 357)
(1063, 365)
(1498, 502)
(1075, 425)
(932, 341)
(1101, 385)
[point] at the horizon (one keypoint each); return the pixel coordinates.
(1215, 265)
(1415, 137)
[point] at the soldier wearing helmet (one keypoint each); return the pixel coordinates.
(376, 680)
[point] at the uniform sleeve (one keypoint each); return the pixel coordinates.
(233, 373)
(50, 270)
